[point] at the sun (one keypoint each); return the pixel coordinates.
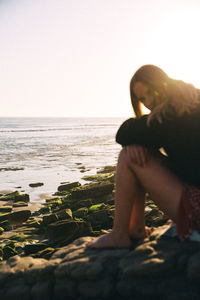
(174, 45)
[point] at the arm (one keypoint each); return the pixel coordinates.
(136, 131)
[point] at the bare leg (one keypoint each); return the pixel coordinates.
(131, 181)
(137, 228)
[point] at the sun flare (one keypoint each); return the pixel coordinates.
(178, 45)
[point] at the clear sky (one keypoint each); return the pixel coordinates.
(71, 58)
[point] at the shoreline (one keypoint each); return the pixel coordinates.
(54, 179)
(28, 224)
(38, 245)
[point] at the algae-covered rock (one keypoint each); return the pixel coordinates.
(9, 196)
(11, 169)
(64, 214)
(36, 184)
(33, 223)
(53, 199)
(43, 210)
(68, 186)
(96, 207)
(53, 205)
(5, 225)
(155, 217)
(84, 203)
(15, 197)
(19, 217)
(34, 248)
(67, 230)
(107, 169)
(4, 216)
(48, 219)
(9, 251)
(61, 193)
(100, 177)
(30, 231)
(18, 238)
(20, 204)
(22, 198)
(81, 212)
(102, 219)
(5, 208)
(46, 253)
(92, 190)
(60, 215)
(1, 230)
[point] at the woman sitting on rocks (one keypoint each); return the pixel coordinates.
(172, 180)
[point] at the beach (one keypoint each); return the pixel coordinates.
(61, 196)
(54, 150)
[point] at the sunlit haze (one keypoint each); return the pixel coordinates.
(71, 58)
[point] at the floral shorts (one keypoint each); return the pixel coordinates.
(188, 214)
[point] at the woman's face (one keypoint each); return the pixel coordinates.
(146, 94)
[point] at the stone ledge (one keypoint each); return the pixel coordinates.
(159, 268)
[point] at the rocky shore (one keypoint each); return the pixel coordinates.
(43, 253)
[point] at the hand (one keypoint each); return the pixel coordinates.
(138, 154)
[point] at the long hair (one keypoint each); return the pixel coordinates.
(174, 95)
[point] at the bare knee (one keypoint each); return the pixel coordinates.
(125, 159)
(123, 155)
(128, 158)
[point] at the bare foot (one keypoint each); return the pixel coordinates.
(142, 234)
(110, 240)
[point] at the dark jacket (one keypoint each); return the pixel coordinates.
(179, 136)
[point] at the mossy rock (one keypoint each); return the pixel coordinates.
(107, 169)
(4, 217)
(155, 217)
(34, 248)
(100, 177)
(34, 223)
(22, 198)
(20, 204)
(1, 230)
(81, 212)
(102, 219)
(19, 217)
(60, 215)
(5, 225)
(107, 199)
(43, 210)
(46, 253)
(36, 184)
(96, 207)
(54, 204)
(9, 251)
(30, 231)
(5, 209)
(52, 199)
(152, 205)
(67, 187)
(9, 196)
(92, 190)
(48, 219)
(18, 238)
(62, 193)
(74, 204)
(64, 214)
(67, 230)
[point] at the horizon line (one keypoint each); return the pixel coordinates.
(64, 116)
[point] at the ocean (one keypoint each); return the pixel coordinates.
(54, 150)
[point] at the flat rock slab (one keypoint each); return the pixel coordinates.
(160, 267)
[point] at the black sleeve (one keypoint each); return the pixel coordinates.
(136, 131)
